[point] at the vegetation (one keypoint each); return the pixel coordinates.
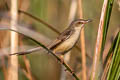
(41, 21)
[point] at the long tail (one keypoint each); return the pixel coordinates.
(27, 51)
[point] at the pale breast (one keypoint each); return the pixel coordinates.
(69, 43)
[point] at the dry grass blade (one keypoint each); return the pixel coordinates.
(27, 65)
(82, 39)
(99, 42)
(25, 59)
(13, 66)
(104, 75)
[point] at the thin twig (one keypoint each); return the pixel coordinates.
(25, 59)
(38, 19)
(26, 74)
(27, 65)
(82, 40)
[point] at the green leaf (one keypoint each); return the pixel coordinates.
(106, 23)
(111, 50)
(114, 71)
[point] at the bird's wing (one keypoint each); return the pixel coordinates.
(65, 35)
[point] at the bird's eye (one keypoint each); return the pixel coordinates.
(79, 22)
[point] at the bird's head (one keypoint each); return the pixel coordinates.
(79, 23)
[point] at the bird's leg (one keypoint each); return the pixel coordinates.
(62, 62)
(62, 59)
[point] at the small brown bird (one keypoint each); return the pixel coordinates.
(65, 41)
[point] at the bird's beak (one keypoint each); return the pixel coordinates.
(86, 21)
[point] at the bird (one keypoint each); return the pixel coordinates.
(65, 41)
